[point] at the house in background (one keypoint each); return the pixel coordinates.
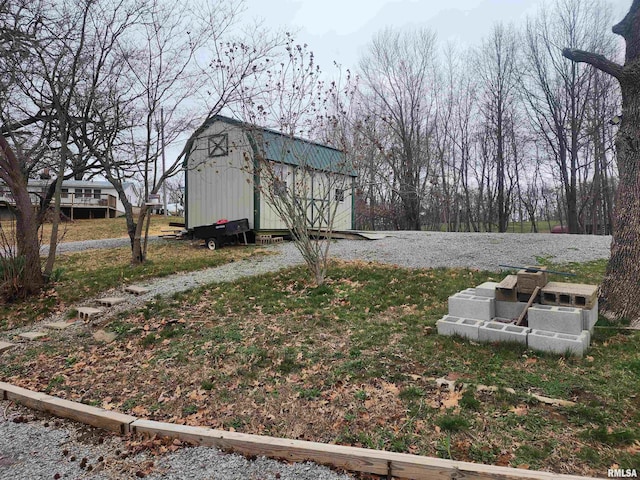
(79, 199)
(219, 184)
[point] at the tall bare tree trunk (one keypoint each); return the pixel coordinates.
(28, 246)
(619, 289)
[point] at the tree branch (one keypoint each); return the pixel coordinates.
(594, 59)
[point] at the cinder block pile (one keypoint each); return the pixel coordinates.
(558, 317)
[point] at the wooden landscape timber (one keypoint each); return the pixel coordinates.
(97, 417)
(398, 465)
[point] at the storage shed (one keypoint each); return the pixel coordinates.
(223, 177)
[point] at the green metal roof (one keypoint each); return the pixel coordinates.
(296, 151)
(279, 147)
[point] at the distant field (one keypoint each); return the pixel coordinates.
(96, 229)
(518, 227)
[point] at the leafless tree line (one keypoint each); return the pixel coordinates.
(99, 87)
(477, 139)
(469, 139)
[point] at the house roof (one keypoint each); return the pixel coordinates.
(279, 147)
(79, 183)
(74, 183)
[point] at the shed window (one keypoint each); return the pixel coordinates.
(339, 196)
(64, 193)
(219, 145)
(279, 179)
(96, 193)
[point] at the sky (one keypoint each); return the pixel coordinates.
(339, 30)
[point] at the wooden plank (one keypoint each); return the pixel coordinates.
(509, 282)
(506, 290)
(529, 303)
(22, 396)
(97, 417)
(400, 465)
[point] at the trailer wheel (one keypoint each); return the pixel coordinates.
(212, 244)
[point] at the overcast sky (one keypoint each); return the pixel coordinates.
(338, 30)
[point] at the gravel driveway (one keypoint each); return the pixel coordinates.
(36, 449)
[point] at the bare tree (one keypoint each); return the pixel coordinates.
(188, 56)
(619, 285)
(55, 55)
(497, 69)
(306, 189)
(397, 71)
(558, 91)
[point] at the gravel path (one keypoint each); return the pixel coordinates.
(36, 446)
(485, 251)
(33, 450)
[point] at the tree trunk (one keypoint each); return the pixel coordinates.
(30, 280)
(621, 279)
(619, 293)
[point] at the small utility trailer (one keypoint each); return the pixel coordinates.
(221, 232)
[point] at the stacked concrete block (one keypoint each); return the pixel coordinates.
(562, 323)
(502, 332)
(487, 289)
(464, 327)
(472, 306)
(561, 343)
(590, 317)
(556, 319)
(509, 309)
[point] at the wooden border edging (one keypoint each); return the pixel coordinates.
(97, 417)
(356, 459)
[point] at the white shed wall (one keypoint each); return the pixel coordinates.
(219, 187)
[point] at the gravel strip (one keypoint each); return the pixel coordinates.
(34, 446)
(484, 251)
(78, 246)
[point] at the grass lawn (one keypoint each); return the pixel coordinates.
(107, 228)
(96, 229)
(520, 227)
(85, 274)
(352, 362)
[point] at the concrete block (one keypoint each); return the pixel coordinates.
(509, 309)
(556, 319)
(502, 332)
(110, 301)
(590, 317)
(472, 306)
(85, 313)
(487, 289)
(528, 280)
(136, 290)
(464, 327)
(32, 335)
(4, 346)
(468, 291)
(560, 343)
(570, 294)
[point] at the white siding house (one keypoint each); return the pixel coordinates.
(222, 180)
(79, 199)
